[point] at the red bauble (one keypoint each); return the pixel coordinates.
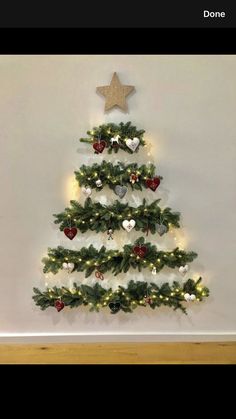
(140, 251)
(59, 305)
(70, 232)
(153, 183)
(133, 178)
(99, 146)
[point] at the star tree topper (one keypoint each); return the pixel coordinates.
(115, 94)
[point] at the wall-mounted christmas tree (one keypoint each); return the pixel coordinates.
(109, 219)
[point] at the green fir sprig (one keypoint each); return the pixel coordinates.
(125, 299)
(97, 217)
(89, 259)
(106, 132)
(112, 175)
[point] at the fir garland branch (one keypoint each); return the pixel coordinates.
(112, 175)
(89, 259)
(126, 299)
(97, 217)
(106, 132)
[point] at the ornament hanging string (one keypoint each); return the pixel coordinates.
(110, 232)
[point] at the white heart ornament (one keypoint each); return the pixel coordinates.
(132, 144)
(128, 225)
(68, 266)
(192, 297)
(183, 269)
(86, 191)
(187, 296)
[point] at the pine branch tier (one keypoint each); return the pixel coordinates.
(99, 175)
(97, 217)
(140, 255)
(125, 299)
(113, 138)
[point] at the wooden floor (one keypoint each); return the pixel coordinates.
(120, 353)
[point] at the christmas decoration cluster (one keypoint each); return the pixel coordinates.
(147, 218)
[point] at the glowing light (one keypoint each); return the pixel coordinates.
(71, 189)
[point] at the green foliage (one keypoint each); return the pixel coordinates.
(99, 218)
(112, 175)
(107, 131)
(136, 294)
(90, 259)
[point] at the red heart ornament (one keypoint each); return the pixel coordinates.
(70, 232)
(140, 251)
(153, 183)
(99, 147)
(59, 305)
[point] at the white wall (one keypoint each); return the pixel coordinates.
(187, 105)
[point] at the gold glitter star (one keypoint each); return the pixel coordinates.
(115, 94)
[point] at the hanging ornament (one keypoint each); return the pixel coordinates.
(70, 232)
(59, 305)
(99, 146)
(120, 190)
(148, 300)
(128, 225)
(140, 251)
(68, 266)
(154, 270)
(133, 178)
(161, 229)
(115, 141)
(183, 270)
(99, 275)
(189, 297)
(86, 190)
(132, 144)
(98, 183)
(110, 232)
(115, 307)
(153, 183)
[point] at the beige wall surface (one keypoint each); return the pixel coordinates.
(187, 105)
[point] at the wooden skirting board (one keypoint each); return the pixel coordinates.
(120, 353)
